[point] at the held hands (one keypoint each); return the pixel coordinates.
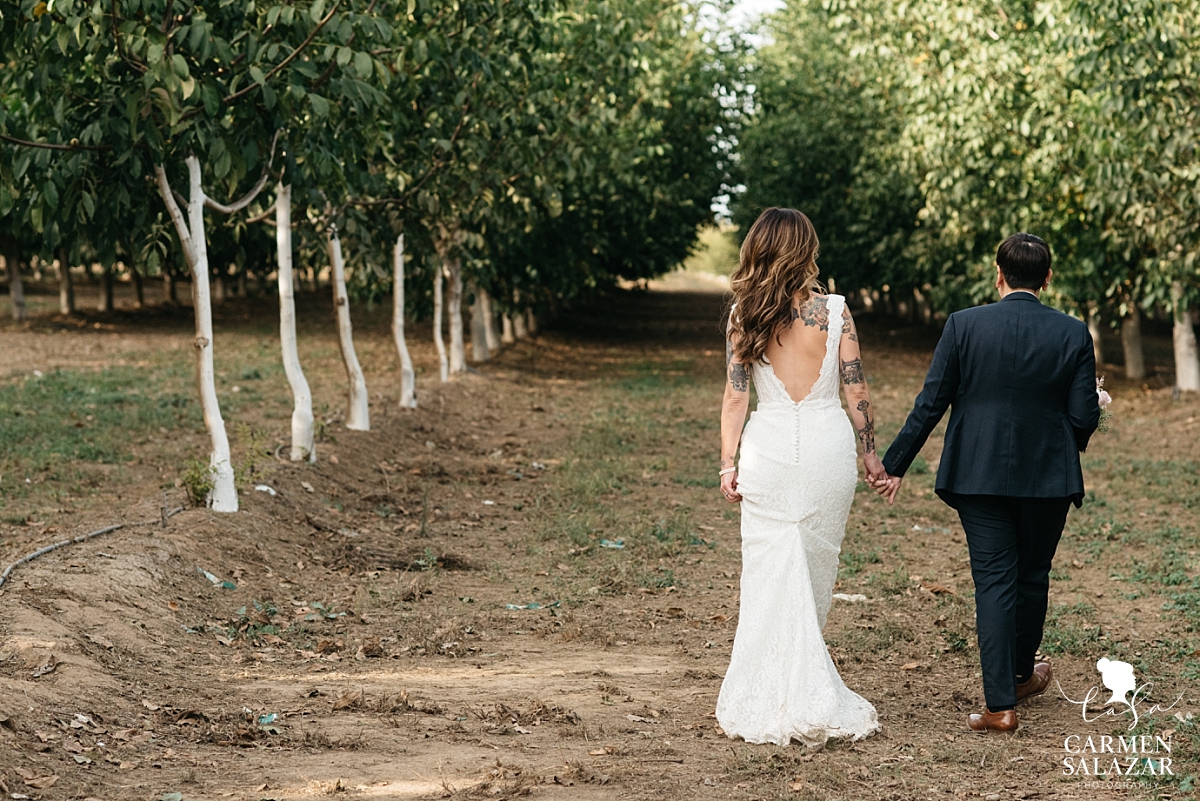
(889, 487)
(878, 478)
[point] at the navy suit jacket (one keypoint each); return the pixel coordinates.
(1020, 381)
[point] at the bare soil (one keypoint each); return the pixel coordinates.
(366, 645)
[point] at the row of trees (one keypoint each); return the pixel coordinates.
(522, 152)
(919, 134)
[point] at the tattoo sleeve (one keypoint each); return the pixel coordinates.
(867, 432)
(852, 372)
(739, 379)
(848, 325)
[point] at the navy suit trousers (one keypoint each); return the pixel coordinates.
(1012, 543)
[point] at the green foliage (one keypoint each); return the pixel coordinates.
(198, 479)
(257, 443)
(553, 147)
(919, 135)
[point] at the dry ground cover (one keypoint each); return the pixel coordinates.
(528, 586)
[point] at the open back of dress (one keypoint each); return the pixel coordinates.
(797, 475)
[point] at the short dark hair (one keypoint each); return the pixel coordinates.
(1024, 259)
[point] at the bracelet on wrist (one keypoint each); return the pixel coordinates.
(727, 471)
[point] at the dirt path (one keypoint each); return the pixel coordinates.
(366, 648)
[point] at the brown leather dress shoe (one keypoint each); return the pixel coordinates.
(1035, 684)
(988, 720)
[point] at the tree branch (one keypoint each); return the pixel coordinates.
(47, 146)
(248, 198)
(181, 228)
(291, 56)
(125, 56)
(267, 212)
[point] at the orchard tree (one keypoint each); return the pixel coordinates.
(157, 85)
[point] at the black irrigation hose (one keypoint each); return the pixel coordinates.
(84, 538)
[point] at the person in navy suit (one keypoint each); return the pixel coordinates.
(1019, 379)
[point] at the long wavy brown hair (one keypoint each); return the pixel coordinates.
(778, 261)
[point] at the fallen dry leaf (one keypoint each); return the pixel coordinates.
(173, 606)
(347, 699)
(910, 666)
(153, 707)
(42, 782)
(47, 666)
(936, 589)
(333, 458)
(307, 487)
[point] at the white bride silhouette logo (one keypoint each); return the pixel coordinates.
(1118, 677)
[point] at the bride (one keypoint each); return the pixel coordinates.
(795, 481)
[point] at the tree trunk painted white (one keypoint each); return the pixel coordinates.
(303, 435)
(491, 335)
(1096, 330)
(358, 417)
(16, 287)
(506, 330)
(531, 322)
(66, 285)
(408, 378)
(1131, 341)
(223, 497)
(438, 342)
(518, 322)
(454, 293)
(1187, 360)
(104, 301)
(480, 351)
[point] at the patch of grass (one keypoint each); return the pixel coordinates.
(891, 582)
(66, 416)
(1186, 601)
(869, 643)
(919, 466)
(1170, 568)
(853, 562)
(1071, 629)
(707, 482)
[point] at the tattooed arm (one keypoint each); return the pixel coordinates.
(733, 416)
(858, 398)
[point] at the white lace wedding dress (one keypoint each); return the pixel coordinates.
(797, 476)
